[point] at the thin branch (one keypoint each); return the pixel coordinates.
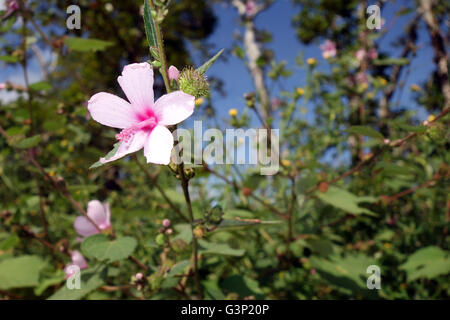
(154, 180)
(393, 144)
(185, 186)
(429, 183)
(252, 195)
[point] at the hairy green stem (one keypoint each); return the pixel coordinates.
(184, 179)
(162, 53)
(185, 186)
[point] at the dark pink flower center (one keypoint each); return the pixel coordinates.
(147, 125)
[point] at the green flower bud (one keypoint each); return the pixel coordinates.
(193, 83)
(179, 245)
(160, 239)
(156, 64)
(437, 133)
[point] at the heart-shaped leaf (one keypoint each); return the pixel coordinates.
(101, 248)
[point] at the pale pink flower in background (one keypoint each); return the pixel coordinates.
(276, 103)
(328, 49)
(250, 8)
(174, 73)
(139, 276)
(371, 54)
(166, 223)
(11, 7)
(361, 77)
(143, 121)
(360, 54)
(2, 86)
(77, 260)
(99, 213)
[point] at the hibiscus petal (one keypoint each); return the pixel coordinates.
(134, 144)
(111, 110)
(108, 215)
(159, 146)
(137, 83)
(174, 107)
(79, 260)
(84, 227)
(96, 211)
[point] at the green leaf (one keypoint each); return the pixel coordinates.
(393, 169)
(108, 156)
(29, 142)
(212, 290)
(179, 268)
(149, 25)
(391, 62)
(242, 285)
(40, 86)
(347, 274)
(365, 131)
(184, 232)
(9, 242)
(321, 246)
(345, 200)
(385, 235)
(209, 63)
(219, 248)
(90, 281)
(20, 272)
(101, 248)
(87, 45)
(239, 52)
(230, 223)
(409, 128)
(14, 131)
(46, 283)
(429, 262)
(9, 59)
(240, 213)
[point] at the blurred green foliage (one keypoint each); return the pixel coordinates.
(334, 230)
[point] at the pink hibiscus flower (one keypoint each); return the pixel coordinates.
(143, 121)
(99, 213)
(77, 260)
(328, 49)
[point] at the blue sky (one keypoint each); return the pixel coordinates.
(277, 20)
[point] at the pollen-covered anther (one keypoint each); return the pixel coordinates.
(126, 134)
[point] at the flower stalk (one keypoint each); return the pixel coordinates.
(162, 55)
(184, 180)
